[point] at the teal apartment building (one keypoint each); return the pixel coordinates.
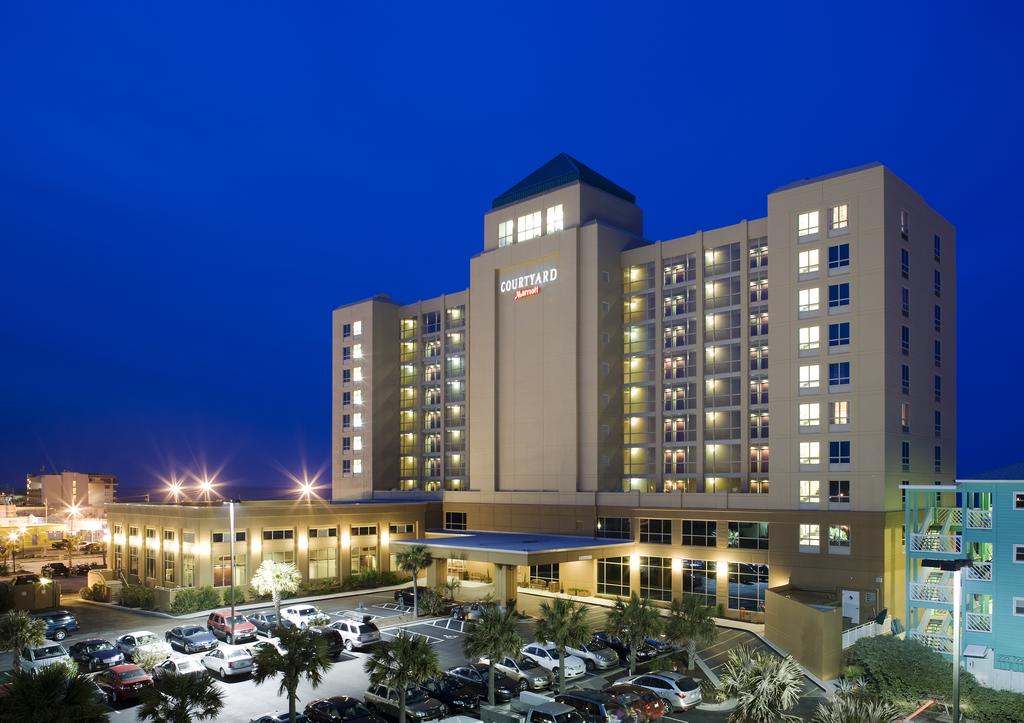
(979, 522)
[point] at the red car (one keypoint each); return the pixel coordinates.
(648, 705)
(123, 682)
(230, 630)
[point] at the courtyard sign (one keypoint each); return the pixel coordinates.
(527, 285)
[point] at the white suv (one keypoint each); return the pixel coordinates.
(357, 633)
(547, 656)
(299, 615)
(42, 656)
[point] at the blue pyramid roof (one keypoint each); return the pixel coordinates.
(559, 171)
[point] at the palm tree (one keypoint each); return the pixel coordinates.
(413, 559)
(853, 702)
(50, 694)
(402, 663)
(494, 636)
(691, 622)
(304, 655)
(20, 630)
(274, 579)
(564, 623)
(181, 699)
(72, 540)
(764, 685)
(633, 622)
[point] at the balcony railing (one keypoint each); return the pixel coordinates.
(979, 519)
(935, 542)
(980, 571)
(931, 592)
(978, 622)
(935, 641)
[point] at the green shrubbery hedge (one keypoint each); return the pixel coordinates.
(138, 596)
(905, 673)
(193, 599)
(369, 579)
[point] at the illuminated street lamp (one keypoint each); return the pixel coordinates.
(206, 487)
(174, 489)
(12, 538)
(306, 490)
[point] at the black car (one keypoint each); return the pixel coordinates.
(28, 579)
(458, 696)
(340, 708)
(93, 548)
(335, 643)
(474, 677)
(406, 594)
(59, 545)
(644, 653)
(81, 570)
(95, 654)
(596, 706)
(264, 622)
(59, 623)
(55, 569)
(191, 638)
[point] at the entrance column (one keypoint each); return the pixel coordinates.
(505, 586)
(437, 573)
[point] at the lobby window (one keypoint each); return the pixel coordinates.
(807, 300)
(838, 256)
(905, 263)
(528, 227)
(555, 219)
(364, 530)
(839, 218)
(505, 229)
(807, 224)
(905, 301)
(318, 532)
(150, 562)
(222, 572)
(937, 351)
(905, 416)
(839, 491)
(809, 338)
(547, 573)
(807, 262)
(938, 388)
(455, 521)
(656, 531)
(748, 535)
(656, 578)
(839, 540)
(839, 334)
(283, 534)
(905, 224)
(839, 452)
(839, 413)
(810, 538)
(364, 559)
(838, 295)
(613, 576)
(810, 415)
(133, 560)
(905, 340)
(280, 556)
(323, 563)
(809, 492)
(938, 318)
(810, 453)
(747, 586)
(188, 569)
(168, 567)
(905, 455)
(226, 536)
(938, 247)
(614, 528)
(700, 579)
(700, 533)
(402, 528)
(809, 376)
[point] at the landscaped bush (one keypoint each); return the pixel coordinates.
(100, 592)
(905, 672)
(193, 599)
(85, 593)
(239, 596)
(371, 579)
(710, 692)
(254, 596)
(431, 603)
(138, 596)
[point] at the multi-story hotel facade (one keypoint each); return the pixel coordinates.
(741, 404)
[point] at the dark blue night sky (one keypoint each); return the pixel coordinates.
(187, 191)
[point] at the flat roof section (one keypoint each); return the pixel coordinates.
(511, 548)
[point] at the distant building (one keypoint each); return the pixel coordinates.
(58, 492)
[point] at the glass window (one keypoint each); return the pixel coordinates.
(839, 452)
(905, 340)
(364, 558)
(656, 531)
(938, 283)
(555, 218)
(807, 223)
(288, 534)
(838, 256)
(807, 261)
(700, 533)
(838, 374)
(809, 338)
(937, 351)
(748, 535)
(905, 455)
(528, 227)
(839, 539)
(839, 334)
(357, 328)
(505, 229)
(839, 491)
(700, 579)
(905, 263)
(222, 570)
(810, 453)
(809, 376)
(838, 295)
(614, 528)
(808, 300)
(747, 586)
(455, 520)
(809, 492)
(188, 569)
(905, 378)
(904, 223)
(547, 572)
(938, 247)
(323, 563)
(938, 388)
(839, 217)
(613, 576)
(839, 412)
(346, 330)
(364, 531)
(810, 538)
(318, 532)
(810, 414)
(938, 318)
(656, 578)
(357, 351)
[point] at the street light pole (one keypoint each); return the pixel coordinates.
(957, 598)
(231, 517)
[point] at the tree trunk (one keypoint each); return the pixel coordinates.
(691, 653)
(415, 598)
(401, 705)
(291, 705)
(490, 680)
(632, 659)
(277, 605)
(561, 669)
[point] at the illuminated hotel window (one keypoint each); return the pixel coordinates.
(357, 328)
(807, 224)
(357, 374)
(357, 443)
(748, 535)
(808, 300)
(810, 492)
(555, 218)
(807, 262)
(809, 338)
(357, 466)
(505, 229)
(839, 540)
(357, 351)
(810, 538)
(357, 420)
(700, 578)
(810, 453)
(528, 226)
(357, 396)
(809, 376)
(839, 218)
(810, 415)
(456, 316)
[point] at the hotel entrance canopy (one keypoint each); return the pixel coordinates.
(516, 548)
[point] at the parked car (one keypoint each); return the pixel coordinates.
(418, 705)
(95, 654)
(124, 682)
(190, 638)
(405, 595)
(660, 644)
(92, 548)
(643, 653)
(279, 718)
(81, 570)
(59, 544)
(677, 690)
(595, 655)
(299, 615)
(264, 623)
(27, 579)
(596, 706)
(339, 708)
(649, 705)
(471, 612)
(55, 569)
(331, 637)
(129, 643)
(475, 676)
(38, 657)
(180, 666)
(459, 697)
(227, 663)
(59, 623)
(530, 674)
(230, 629)
(357, 633)
(547, 656)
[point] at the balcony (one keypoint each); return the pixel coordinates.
(978, 622)
(931, 592)
(979, 572)
(979, 519)
(936, 641)
(935, 542)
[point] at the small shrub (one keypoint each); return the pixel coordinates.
(149, 658)
(85, 593)
(659, 665)
(721, 610)
(431, 603)
(100, 592)
(853, 672)
(710, 693)
(193, 599)
(254, 596)
(239, 596)
(319, 620)
(138, 596)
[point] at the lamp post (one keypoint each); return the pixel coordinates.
(954, 566)
(13, 539)
(231, 517)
